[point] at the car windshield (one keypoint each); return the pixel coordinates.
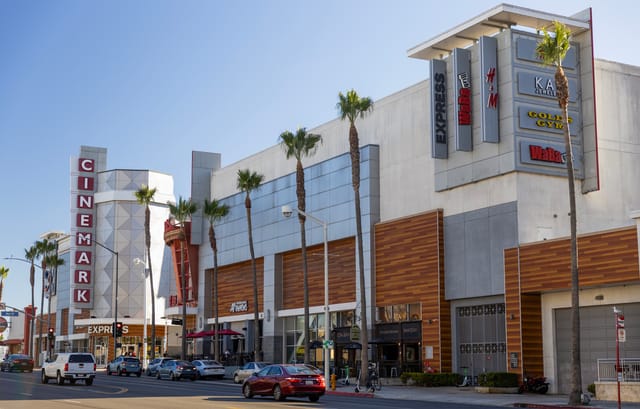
(81, 358)
(301, 370)
(210, 363)
(183, 363)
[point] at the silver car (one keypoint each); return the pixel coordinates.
(176, 369)
(208, 368)
(247, 370)
(152, 367)
(125, 365)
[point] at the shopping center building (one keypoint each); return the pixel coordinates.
(465, 206)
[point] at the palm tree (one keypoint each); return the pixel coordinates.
(30, 254)
(299, 145)
(44, 249)
(182, 212)
(144, 196)
(4, 272)
(351, 106)
(249, 181)
(552, 50)
(215, 211)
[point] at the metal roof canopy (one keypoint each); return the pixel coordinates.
(499, 18)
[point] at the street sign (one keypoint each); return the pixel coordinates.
(9, 313)
(622, 335)
(327, 344)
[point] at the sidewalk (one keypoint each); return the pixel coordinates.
(470, 396)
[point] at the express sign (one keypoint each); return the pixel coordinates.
(3, 324)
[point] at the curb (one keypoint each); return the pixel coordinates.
(545, 406)
(356, 394)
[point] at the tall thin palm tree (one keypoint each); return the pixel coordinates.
(298, 145)
(182, 212)
(552, 49)
(215, 211)
(44, 249)
(351, 106)
(4, 272)
(144, 196)
(249, 181)
(30, 254)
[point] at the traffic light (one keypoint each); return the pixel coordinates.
(50, 334)
(118, 326)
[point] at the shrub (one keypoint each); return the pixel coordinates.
(430, 379)
(498, 379)
(592, 389)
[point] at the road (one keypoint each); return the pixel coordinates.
(24, 390)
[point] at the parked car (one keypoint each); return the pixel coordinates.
(281, 381)
(207, 368)
(125, 365)
(152, 367)
(176, 369)
(71, 366)
(17, 362)
(247, 370)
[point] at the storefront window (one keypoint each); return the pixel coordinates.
(399, 313)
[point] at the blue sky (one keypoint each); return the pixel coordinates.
(152, 81)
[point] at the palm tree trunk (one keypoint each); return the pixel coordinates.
(183, 282)
(305, 278)
(256, 307)
(354, 150)
(216, 340)
(153, 306)
(32, 317)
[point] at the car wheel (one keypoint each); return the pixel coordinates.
(44, 378)
(59, 379)
(277, 393)
(193, 378)
(314, 398)
(172, 376)
(246, 391)
(119, 372)
(88, 382)
(148, 372)
(158, 375)
(127, 374)
(139, 374)
(72, 381)
(108, 371)
(236, 379)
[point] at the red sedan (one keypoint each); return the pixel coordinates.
(281, 381)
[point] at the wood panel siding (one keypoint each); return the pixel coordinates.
(604, 258)
(342, 274)
(235, 283)
(512, 298)
(409, 268)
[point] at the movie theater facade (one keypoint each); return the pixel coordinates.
(465, 208)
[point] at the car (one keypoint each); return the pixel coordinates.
(283, 380)
(208, 368)
(71, 366)
(176, 369)
(17, 362)
(152, 367)
(125, 365)
(248, 369)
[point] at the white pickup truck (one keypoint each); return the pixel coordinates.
(70, 365)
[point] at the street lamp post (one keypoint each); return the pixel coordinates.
(115, 310)
(287, 211)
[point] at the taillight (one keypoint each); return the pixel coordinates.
(66, 367)
(321, 379)
(294, 380)
(94, 367)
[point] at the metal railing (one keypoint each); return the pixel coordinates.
(630, 370)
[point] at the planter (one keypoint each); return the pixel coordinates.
(495, 389)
